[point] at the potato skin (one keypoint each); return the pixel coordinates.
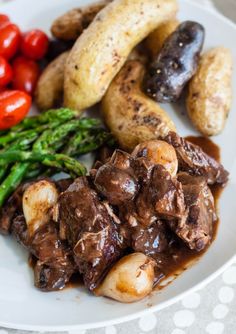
(49, 89)
(102, 49)
(156, 39)
(176, 63)
(210, 92)
(131, 116)
(70, 25)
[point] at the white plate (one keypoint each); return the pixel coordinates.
(24, 307)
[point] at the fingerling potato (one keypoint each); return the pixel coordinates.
(102, 49)
(49, 89)
(131, 116)
(210, 92)
(156, 39)
(176, 63)
(70, 25)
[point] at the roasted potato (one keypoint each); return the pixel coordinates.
(131, 279)
(176, 63)
(70, 25)
(131, 116)
(102, 49)
(156, 39)
(158, 152)
(49, 89)
(210, 92)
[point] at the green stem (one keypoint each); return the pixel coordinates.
(60, 115)
(59, 161)
(13, 180)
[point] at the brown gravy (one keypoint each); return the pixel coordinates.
(184, 256)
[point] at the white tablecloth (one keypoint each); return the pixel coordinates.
(211, 310)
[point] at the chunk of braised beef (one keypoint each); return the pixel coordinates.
(193, 160)
(166, 194)
(161, 197)
(63, 184)
(48, 278)
(197, 228)
(19, 230)
(152, 240)
(91, 228)
(11, 209)
(55, 263)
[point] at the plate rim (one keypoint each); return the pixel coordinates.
(154, 308)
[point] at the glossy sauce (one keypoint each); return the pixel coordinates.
(184, 257)
(181, 257)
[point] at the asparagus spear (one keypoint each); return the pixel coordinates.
(15, 177)
(19, 170)
(13, 180)
(84, 142)
(12, 136)
(60, 161)
(83, 123)
(54, 138)
(21, 144)
(61, 115)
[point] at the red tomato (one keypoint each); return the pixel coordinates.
(10, 38)
(25, 74)
(4, 19)
(5, 72)
(14, 105)
(35, 44)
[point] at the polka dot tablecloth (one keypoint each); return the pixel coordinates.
(211, 310)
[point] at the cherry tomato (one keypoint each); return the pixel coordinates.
(25, 74)
(5, 72)
(4, 20)
(35, 44)
(10, 38)
(14, 105)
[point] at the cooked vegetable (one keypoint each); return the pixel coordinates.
(130, 115)
(176, 63)
(50, 120)
(14, 106)
(49, 90)
(210, 92)
(21, 144)
(40, 141)
(60, 161)
(102, 49)
(71, 25)
(156, 39)
(87, 141)
(58, 116)
(131, 279)
(158, 152)
(38, 199)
